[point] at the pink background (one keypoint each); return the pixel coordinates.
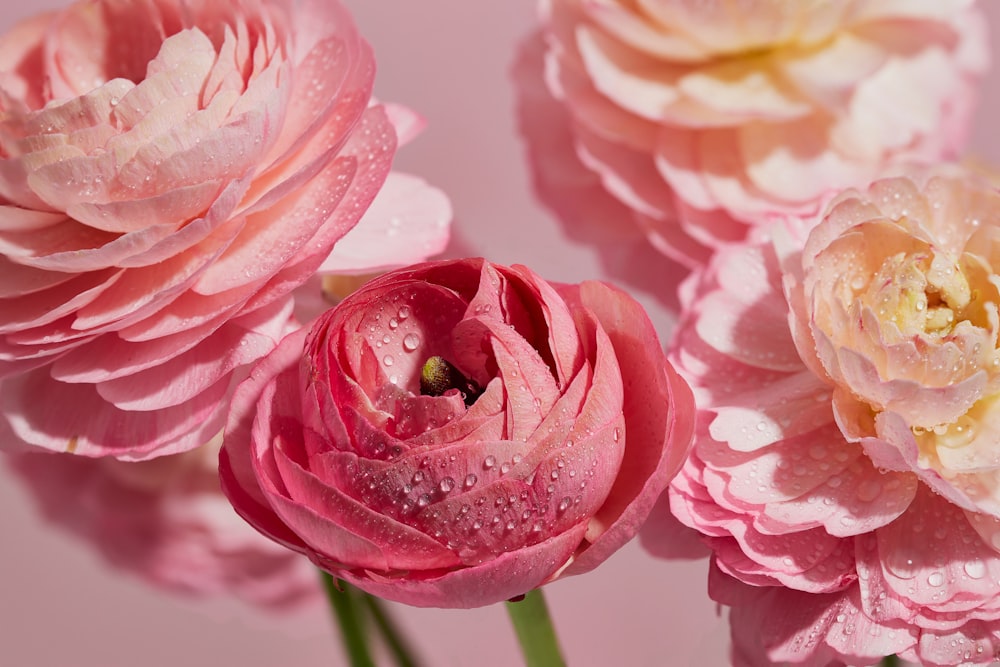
(60, 605)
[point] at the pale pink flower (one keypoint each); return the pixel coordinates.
(167, 521)
(458, 433)
(706, 117)
(845, 447)
(169, 172)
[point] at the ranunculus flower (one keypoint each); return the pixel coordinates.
(169, 172)
(167, 521)
(457, 433)
(847, 448)
(706, 117)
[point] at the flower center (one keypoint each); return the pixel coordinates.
(924, 293)
(438, 376)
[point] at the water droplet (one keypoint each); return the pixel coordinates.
(446, 485)
(869, 491)
(935, 579)
(388, 360)
(424, 500)
(418, 477)
(504, 468)
(489, 462)
(470, 480)
(404, 312)
(564, 504)
(555, 474)
(386, 339)
(410, 342)
(975, 569)
(901, 563)
(616, 435)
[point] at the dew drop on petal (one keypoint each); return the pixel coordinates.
(470, 480)
(935, 579)
(410, 342)
(976, 569)
(388, 360)
(489, 461)
(446, 485)
(404, 312)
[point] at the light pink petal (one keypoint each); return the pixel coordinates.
(406, 223)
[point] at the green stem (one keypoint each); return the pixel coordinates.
(401, 651)
(352, 629)
(889, 661)
(535, 632)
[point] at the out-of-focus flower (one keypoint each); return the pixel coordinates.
(167, 521)
(169, 172)
(458, 433)
(846, 447)
(706, 117)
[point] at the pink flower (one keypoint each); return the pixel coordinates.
(458, 433)
(708, 117)
(170, 171)
(167, 521)
(845, 380)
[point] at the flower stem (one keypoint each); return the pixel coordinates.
(401, 651)
(889, 661)
(352, 630)
(535, 632)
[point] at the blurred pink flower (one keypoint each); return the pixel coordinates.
(170, 171)
(167, 521)
(458, 433)
(845, 447)
(708, 117)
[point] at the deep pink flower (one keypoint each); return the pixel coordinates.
(458, 433)
(167, 521)
(169, 172)
(707, 117)
(845, 448)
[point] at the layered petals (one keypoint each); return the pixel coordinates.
(457, 433)
(743, 111)
(845, 462)
(169, 173)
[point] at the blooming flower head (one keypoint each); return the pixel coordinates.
(846, 456)
(705, 117)
(167, 521)
(458, 433)
(169, 172)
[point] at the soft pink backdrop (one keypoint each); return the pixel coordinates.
(61, 606)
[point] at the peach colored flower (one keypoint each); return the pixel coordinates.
(845, 447)
(169, 172)
(167, 521)
(707, 117)
(458, 433)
